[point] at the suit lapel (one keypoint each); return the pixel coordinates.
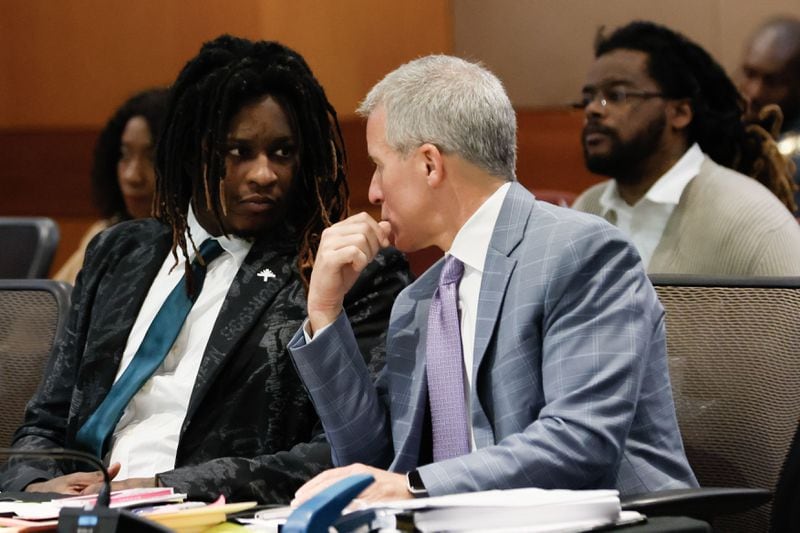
(408, 358)
(119, 297)
(508, 232)
(248, 296)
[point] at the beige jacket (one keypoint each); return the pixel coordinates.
(725, 224)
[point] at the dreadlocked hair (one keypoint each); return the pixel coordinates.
(761, 158)
(227, 74)
(683, 70)
(150, 105)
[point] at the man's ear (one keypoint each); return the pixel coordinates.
(431, 157)
(680, 114)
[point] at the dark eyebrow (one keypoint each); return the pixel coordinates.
(246, 141)
(616, 81)
(610, 83)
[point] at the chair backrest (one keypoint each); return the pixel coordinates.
(734, 357)
(32, 317)
(27, 246)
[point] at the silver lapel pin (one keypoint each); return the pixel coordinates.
(266, 274)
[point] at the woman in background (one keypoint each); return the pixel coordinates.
(123, 177)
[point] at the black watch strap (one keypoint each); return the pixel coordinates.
(415, 485)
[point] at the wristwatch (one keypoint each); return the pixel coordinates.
(415, 485)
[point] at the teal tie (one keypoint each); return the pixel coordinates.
(158, 340)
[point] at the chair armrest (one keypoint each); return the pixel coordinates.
(703, 503)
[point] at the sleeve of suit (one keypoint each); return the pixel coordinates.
(352, 409)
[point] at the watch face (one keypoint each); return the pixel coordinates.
(415, 484)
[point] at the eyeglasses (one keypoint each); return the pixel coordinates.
(613, 96)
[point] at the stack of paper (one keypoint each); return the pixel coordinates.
(156, 504)
(125, 498)
(43, 516)
(515, 510)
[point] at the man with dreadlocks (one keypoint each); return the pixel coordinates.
(770, 75)
(250, 171)
(664, 120)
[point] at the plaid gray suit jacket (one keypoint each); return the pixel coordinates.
(571, 386)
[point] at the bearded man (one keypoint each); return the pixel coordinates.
(667, 124)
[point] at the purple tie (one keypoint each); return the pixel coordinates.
(445, 367)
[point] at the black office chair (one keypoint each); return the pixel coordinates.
(734, 356)
(27, 246)
(32, 317)
(786, 505)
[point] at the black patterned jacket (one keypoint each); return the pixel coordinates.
(250, 431)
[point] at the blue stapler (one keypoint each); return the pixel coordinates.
(325, 509)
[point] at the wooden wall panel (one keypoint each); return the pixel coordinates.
(66, 65)
(46, 172)
(549, 154)
(541, 49)
(70, 63)
(351, 44)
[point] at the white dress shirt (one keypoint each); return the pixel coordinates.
(470, 246)
(644, 222)
(145, 440)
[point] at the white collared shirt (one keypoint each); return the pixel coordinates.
(145, 440)
(644, 222)
(470, 246)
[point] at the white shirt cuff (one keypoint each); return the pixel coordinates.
(307, 333)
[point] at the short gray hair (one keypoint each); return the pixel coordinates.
(459, 106)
